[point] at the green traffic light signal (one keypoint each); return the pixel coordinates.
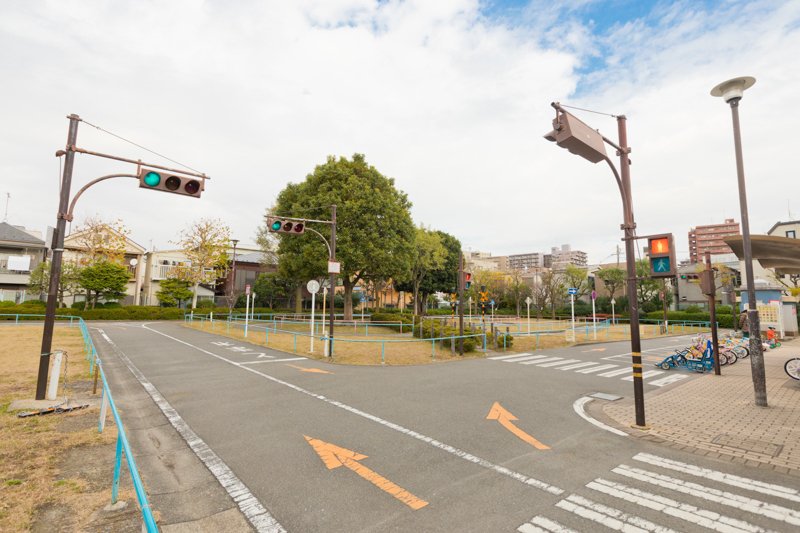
(152, 179)
(276, 225)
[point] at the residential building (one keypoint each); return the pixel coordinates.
(250, 263)
(786, 229)
(21, 251)
(710, 238)
(525, 261)
(561, 257)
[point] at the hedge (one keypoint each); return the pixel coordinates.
(724, 320)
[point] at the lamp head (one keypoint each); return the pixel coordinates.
(733, 89)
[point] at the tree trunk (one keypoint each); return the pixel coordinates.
(298, 299)
(348, 297)
(194, 295)
(86, 301)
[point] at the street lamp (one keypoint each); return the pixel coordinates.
(232, 290)
(731, 91)
(580, 139)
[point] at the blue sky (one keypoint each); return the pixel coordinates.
(449, 97)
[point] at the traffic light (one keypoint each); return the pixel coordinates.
(467, 280)
(285, 225)
(662, 255)
(161, 180)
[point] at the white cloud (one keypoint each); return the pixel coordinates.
(451, 103)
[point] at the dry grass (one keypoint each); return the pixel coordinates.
(351, 349)
(32, 449)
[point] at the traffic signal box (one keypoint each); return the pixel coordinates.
(467, 280)
(285, 225)
(161, 180)
(662, 255)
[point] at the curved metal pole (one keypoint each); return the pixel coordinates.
(323, 239)
(619, 183)
(68, 215)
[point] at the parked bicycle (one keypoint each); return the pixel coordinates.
(792, 368)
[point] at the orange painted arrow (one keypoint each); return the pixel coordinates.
(334, 456)
(499, 413)
(315, 370)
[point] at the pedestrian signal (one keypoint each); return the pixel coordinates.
(661, 249)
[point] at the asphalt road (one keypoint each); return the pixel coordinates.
(474, 445)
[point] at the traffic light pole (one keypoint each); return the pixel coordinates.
(55, 263)
(461, 283)
(332, 279)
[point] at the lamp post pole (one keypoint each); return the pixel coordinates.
(731, 91)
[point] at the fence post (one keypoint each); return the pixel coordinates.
(101, 423)
(117, 464)
(383, 352)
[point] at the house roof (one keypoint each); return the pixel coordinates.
(780, 253)
(71, 242)
(777, 224)
(258, 257)
(9, 233)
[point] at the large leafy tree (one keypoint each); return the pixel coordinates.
(104, 279)
(271, 288)
(613, 279)
(204, 243)
(173, 291)
(443, 278)
(428, 254)
(374, 231)
(577, 278)
(516, 290)
(69, 282)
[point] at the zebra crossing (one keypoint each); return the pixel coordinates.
(604, 369)
(636, 498)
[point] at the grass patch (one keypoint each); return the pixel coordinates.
(32, 448)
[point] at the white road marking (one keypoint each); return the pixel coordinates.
(559, 363)
(252, 509)
(525, 358)
(528, 528)
(728, 479)
(578, 365)
(501, 357)
(776, 512)
(617, 372)
(609, 516)
(546, 525)
(545, 360)
(645, 375)
(578, 408)
(272, 361)
(526, 480)
(595, 369)
(668, 506)
(667, 380)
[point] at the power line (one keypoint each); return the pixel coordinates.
(588, 110)
(139, 146)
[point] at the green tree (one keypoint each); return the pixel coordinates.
(69, 282)
(271, 288)
(374, 231)
(204, 244)
(516, 290)
(578, 278)
(443, 278)
(173, 291)
(613, 279)
(647, 288)
(104, 279)
(428, 254)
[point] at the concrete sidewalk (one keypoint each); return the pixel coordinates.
(716, 416)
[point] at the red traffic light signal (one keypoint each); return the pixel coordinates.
(160, 180)
(662, 255)
(285, 225)
(467, 280)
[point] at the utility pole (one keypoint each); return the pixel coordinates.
(461, 303)
(332, 280)
(55, 262)
(710, 289)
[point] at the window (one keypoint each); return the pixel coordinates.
(791, 234)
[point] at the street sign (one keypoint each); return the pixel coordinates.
(594, 295)
(491, 303)
(247, 290)
(572, 290)
(313, 286)
(528, 300)
(334, 267)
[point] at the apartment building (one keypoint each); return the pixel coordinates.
(21, 251)
(561, 257)
(709, 238)
(527, 261)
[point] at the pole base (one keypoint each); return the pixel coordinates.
(645, 427)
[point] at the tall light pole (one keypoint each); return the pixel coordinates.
(571, 133)
(731, 91)
(232, 290)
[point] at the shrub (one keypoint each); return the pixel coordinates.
(693, 309)
(7, 304)
(205, 304)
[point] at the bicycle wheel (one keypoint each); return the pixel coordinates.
(740, 351)
(732, 357)
(723, 359)
(792, 367)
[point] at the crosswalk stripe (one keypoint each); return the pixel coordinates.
(667, 380)
(524, 358)
(595, 369)
(609, 516)
(530, 528)
(668, 506)
(546, 360)
(648, 374)
(776, 512)
(501, 357)
(559, 363)
(617, 372)
(545, 524)
(578, 365)
(713, 475)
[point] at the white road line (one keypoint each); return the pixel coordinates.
(776, 512)
(526, 480)
(578, 408)
(501, 357)
(529, 528)
(558, 363)
(728, 479)
(609, 516)
(595, 369)
(667, 380)
(648, 374)
(545, 360)
(273, 361)
(545, 524)
(525, 358)
(252, 509)
(617, 372)
(668, 506)
(579, 365)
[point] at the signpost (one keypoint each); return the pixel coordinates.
(492, 304)
(594, 315)
(246, 308)
(528, 303)
(613, 318)
(572, 292)
(313, 288)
